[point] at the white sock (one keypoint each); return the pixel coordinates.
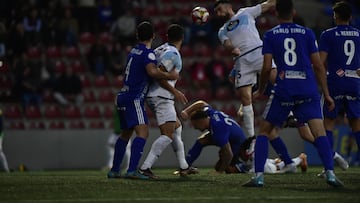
(111, 151)
(178, 147)
(3, 162)
(249, 120)
(157, 148)
(297, 161)
(125, 163)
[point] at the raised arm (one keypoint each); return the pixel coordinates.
(179, 96)
(265, 6)
(193, 107)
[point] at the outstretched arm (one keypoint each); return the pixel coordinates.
(193, 107)
(179, 96)
(265, 6)
(226, 156)
(155, 72)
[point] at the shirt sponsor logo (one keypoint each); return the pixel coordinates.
(232, 25)
(290, 74)
(351, 74)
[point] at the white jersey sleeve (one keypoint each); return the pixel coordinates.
(254, 11)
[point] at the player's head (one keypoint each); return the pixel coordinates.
(285, 9)
(145, 31)
(200, 120)
(342, 11)
(175, 33)
(222, 8)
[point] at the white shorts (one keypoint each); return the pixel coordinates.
(164, 109)
(247, 67)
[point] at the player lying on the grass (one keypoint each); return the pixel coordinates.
(246, 163)
(224, 133)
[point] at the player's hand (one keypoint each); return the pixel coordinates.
(235, 52)
(329, 102)
(358, 72)
(184, 115)
(180, 97)
(173, 74)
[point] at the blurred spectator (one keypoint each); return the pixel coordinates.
(28, 81)
(105, 15)
(86, 13)
(198, 75)
(123, 29)
(51, 33)
(69, 28)
(16, 45)
(118, 58)
(200, 33)
(98, 58)
(32, 26)
(178, 18)
(68, 88)
(216, 69)
(3, 39)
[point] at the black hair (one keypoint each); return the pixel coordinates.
(175, 33)
(145, 31)
(217, 2)
(197, 115)
(284, 9)
(342, 10)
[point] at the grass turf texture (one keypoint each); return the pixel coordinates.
(93, 186)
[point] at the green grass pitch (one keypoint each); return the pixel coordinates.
(93, 186)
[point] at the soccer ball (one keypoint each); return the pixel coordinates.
(200, 15)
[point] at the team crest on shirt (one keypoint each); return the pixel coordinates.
(232, 25)
(151, 56)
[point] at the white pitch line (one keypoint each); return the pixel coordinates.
(189, 199)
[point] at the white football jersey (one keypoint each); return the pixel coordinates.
(168, 57)
(241, 29)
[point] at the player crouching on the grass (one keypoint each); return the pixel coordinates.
(246, 164)
(220, 130)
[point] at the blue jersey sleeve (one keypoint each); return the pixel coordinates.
(266, 49)
(150, 58)
(324, 45)
(312, 43)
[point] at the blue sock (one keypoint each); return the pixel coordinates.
(194, 153)
(120, 148)
(281, 150)
(137, 149)
(261, 152)
(330, 137)
(357, 138)
(322, 145)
